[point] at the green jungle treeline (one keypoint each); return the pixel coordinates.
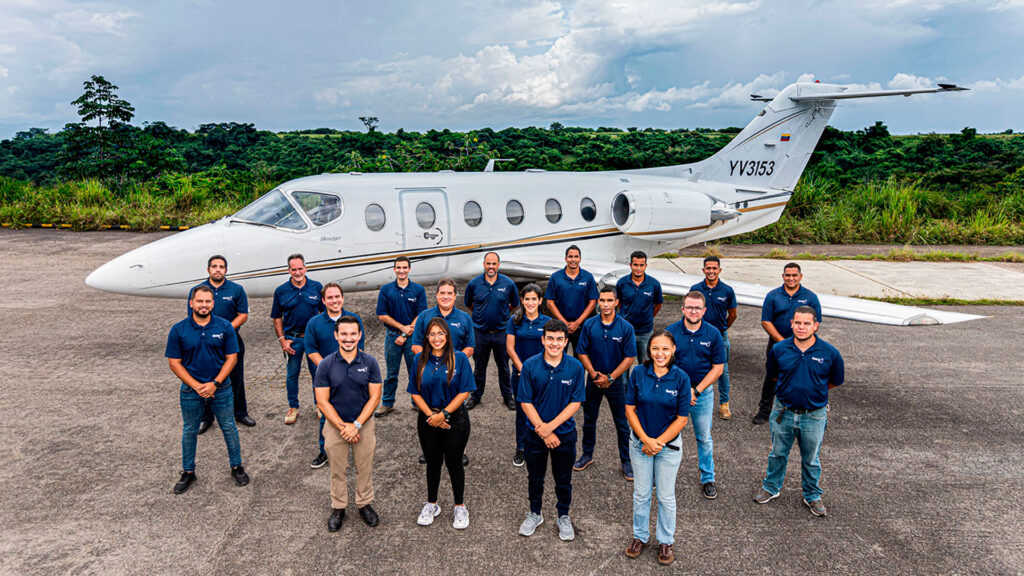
(864, 186)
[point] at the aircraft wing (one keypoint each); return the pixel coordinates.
(747, 294)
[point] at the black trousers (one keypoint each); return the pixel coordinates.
(574, 339)
(562, 458)
(488, 343)
(237, 387)
(445, 447)
(764, 406)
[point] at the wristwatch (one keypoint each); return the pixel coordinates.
(696, 393)
(357, 424)
(447, 415)
(218, 383)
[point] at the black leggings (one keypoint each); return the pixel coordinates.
(446, 447)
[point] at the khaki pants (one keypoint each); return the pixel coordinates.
(337, 456)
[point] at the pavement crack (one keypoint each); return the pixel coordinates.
(866, 277)
(207, 561)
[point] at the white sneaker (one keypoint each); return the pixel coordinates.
(529, 526)
(565, 531)
(461, 518)
(427, 515)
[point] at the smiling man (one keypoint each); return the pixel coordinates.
(491, 296)
(295, 302)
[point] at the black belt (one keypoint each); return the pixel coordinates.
(296, 334)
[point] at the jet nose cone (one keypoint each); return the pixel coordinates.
(118, 276)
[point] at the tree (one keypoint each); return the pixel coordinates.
(370, 122)
(100, 150)
(100, 102)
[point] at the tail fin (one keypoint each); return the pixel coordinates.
(773, 150)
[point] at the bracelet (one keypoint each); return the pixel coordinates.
(279, 338)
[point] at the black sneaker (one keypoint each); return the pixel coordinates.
(423, 458)
(185, 482)
(519, 459)
(710, 491)
(238, 473)
(204, 426)
(471, 403)
(760, 418)
(465, 460)
(319, 462)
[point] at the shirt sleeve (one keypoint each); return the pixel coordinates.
(817, 307)
(467, 299)
(275, 308)
(717, 348)
(173, 349)
(629, 342)
(525, 393)
(310, 339)
(592, 288)
(584, 342)
(731, 300)
(510, 326)
(551, 293)
(242, 306)
(362, 337)
(230, 339)
(466, 383)
(470, 334)
(321, 380)
(768, 309)
(375, 377)
(515, 293)
(579, 389)
(837, 375)
(421, 300)
(633, 386)
(659, 298)
(618, 292)
(188, 300)
(683, 396)
(772, 364)
(382, 303)
(411, 388)
(418, 331)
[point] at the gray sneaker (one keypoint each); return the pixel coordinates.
(817, 508)
(763, 496)
(565, 531)
(529, 526)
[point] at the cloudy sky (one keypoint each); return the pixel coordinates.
(462, 65)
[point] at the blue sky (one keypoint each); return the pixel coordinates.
(464, 65)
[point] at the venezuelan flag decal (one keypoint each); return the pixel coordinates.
(785, 138)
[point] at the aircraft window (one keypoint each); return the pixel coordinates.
(588, 209)
(472, 213)
(514, 212)
(321, 208)
(425, 215)
(375, 217)
(273, 209)
(552, 210)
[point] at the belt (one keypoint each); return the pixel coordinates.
(296, 334)
(797, 410)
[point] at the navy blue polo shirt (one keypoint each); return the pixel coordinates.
(658, 400)
(804, 377)
(434, 387)
(636, 303)
(202, 349)
(718, 300)
(459, 324)
(228, 301)
(779, 306)
(529, 335)
(320, 334)
(295, 306)
(607, 345)
(571, 295)
(490, 302)
(349, 383)
(697, 352)
(551, 388)
(402, 304)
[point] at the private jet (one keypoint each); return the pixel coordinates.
(350, 227)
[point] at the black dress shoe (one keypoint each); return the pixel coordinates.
(369, 515)
(471, 403)
(337, 517)
(183, 484)
(465, 460)
(710, 490)
(510, 404)
(238, 473)
(319, 462)
(760, 418)
(423, 458)
(246, 420)
(205, 425)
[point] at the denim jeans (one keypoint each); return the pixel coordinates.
(488, 343)
(649, 472)
(192, 405)
(616, 395)
(701, 416)
(237, 386)
(641, 346)
(521, 430)
(393, 354)
(291, 379)
(723, 380)
(562, 458)
(807, 430)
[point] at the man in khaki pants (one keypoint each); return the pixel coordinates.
(348, 389)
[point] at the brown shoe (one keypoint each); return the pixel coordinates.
(665, 554)
(723, 411)
(291, 416)
(635, 548)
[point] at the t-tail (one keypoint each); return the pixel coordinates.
(773, 150)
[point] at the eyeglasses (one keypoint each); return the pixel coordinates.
(693, 308)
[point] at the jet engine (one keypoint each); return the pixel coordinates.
(669, 214)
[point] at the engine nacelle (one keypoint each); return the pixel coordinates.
(654, 214)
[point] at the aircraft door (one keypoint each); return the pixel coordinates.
(425, 228)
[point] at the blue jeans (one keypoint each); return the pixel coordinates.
(649, 472)
(192, 406)
(521, 430)
(701, 416)
(641, 346)
(393, 354)
(807, 430)
(723, 380)
(291, 379)
(616, 395)
(323, 419)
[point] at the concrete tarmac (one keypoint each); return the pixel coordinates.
(923, 467)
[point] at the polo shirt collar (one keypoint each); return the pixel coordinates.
(197, 325)
(357, 360)
(549, 366)
(693, 332)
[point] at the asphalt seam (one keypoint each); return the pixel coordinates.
(866, 277)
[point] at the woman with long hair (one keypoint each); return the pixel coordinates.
(441, 382)
(525, 331)
(657, 408)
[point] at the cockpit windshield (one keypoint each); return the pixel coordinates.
(319, 207)
(273, 209)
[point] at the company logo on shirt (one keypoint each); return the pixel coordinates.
(228, 298)
(720, 298)
(455, 324)
(706, 344)
(567, 382)
(648, 293)
(581, 283)
(501, 289)
(411, 299)
(671, 392)
(804, 301)
(818, 360)
(617, 338)
(363, 369)
(314, 297)
(217, 336)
